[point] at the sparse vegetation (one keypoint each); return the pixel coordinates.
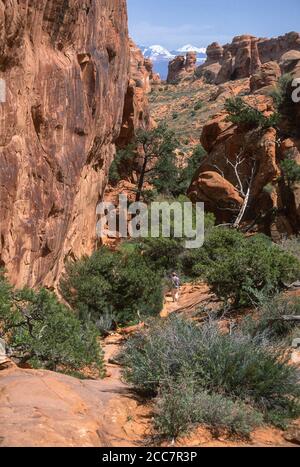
(281, 93)
(198, 106)
(292, 246)
(181, 405)
(269, 321)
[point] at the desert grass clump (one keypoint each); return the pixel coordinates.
(180, 406)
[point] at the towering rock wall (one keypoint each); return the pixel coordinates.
(65, 64)
(136, 110)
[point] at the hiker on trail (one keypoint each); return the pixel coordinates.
(175, 287)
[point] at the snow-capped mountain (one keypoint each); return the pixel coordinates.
(191, 48)
(156, 51)
(161, 56)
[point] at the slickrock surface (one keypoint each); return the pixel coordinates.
(66, 70)
(44, 409)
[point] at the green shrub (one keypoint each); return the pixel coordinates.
(180, 406)
(243, 367)
(281, 93)
(238, 268)
(193, 164)
(291, 171)
(120, 165)
(159, 354)
(241, 113)
(117, 282)
(43, 332)
(198, 106)
(236, 366)
(162, 254)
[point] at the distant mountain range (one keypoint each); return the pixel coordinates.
(161, 56)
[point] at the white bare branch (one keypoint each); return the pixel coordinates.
(246, 200)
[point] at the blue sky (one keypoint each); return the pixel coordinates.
(173, 23)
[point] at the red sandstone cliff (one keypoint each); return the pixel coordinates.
(136, 111)
(65, 64)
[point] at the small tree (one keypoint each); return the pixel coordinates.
(193, 164)
(291, 171)
(43, 332)
(156, 148)
(116, 282)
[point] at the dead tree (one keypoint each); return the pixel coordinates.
(245, 188)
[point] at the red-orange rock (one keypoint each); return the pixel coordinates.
(245, 56)
(267, 76)
(136, 110)
(182, 67)
(216, 182)
(216, 192)
(66, 66)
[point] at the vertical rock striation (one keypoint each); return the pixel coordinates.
(65, 64)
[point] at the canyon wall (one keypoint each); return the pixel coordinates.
(136, 109)
(65, 64)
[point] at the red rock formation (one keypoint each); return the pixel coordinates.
(273, 206)
(266, 77)
(65, 65)
(245, 56)
(154, 77)
(225, 142)
(182, 67)
(216, 192)
(136, 111)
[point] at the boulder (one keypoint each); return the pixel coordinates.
(267, 76)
